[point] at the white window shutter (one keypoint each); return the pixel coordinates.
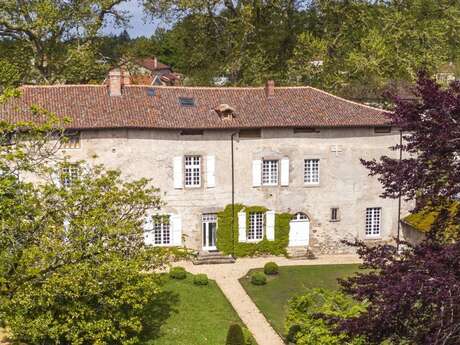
(242, 226)
(211, 171)
(178, 172)
(256, 173)
(148, 227)
(175, 224)
(56, 176)
(285, 171)
(270, 225)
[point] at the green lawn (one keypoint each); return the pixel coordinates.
(272, 298)
(203, 315)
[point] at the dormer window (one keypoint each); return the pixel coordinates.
(187, 101)
(225, 111)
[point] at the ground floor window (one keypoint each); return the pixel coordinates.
(162, 231)
(256, 226)
(209, 222)
(373, 220)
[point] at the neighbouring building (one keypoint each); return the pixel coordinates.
(150, 71)
(296, 150)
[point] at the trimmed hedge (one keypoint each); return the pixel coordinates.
(271, 268)
(200, 279)
(263, 247)
(235, 335)
(258, 278)
(178, 273)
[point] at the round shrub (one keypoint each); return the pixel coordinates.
(178, 273)
(271, 268)
(258, 278)
(235, 335)
(200, 279)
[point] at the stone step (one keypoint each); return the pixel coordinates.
(210, 258)
(300, 253)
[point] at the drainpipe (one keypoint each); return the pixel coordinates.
(399, 196)
(232, 136)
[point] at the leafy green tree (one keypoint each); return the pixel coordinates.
(57, 34)
(73, 264)
(305, 325)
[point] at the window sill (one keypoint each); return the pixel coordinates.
(334, 220)
(253, 241)
(373, 238)
(311, 185)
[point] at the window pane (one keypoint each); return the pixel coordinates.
(192, 171)
(161, 232)
(270, 172)
(311, 171)
(373, 217)
(256, 226)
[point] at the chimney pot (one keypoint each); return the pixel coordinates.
(270, 88)
(115, 80)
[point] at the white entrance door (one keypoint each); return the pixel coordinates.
(209, 222)
(299, 230)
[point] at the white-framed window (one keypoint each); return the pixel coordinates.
(256, 226)
(311, 171)
(373, 221)
(162, 231)
(69, 174)
(270, 172)
(192, 171)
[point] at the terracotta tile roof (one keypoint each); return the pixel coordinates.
(149, 63)
(91, 106)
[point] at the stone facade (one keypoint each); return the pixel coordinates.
(344, 182)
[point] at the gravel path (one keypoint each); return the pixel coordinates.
(227, 275)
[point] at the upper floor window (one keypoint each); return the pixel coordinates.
(270, 172)
(311, 171)
(71, 140)
(192, 170)
(161, 232)
(373, 221)
(256, 226)
(69, 174)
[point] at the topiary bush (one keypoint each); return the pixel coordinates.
(235, 335)
(258, 278)
(178, 273)
(200, 279)
(271, 268)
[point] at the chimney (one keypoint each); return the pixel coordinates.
(155, 62)
(115, 82)
(270, 88)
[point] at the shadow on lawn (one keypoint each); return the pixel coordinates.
(157, 313)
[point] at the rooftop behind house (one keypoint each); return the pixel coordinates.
(142, 106)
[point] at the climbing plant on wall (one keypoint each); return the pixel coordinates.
(224, 233)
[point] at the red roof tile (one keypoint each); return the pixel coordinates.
(91, 106)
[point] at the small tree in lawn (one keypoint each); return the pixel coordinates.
(235, 335)
(72, 258)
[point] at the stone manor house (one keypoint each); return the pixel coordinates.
(295, 149)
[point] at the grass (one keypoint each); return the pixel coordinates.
(272, 299)
(203, 315)
(199, 315)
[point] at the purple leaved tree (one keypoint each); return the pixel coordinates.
(430, 171)
(414, 297)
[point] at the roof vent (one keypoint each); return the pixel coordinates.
(187, 101)
(225, 111)
(150, 92)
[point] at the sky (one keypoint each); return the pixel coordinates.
(139, 24)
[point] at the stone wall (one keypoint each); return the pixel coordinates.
(344, 182)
